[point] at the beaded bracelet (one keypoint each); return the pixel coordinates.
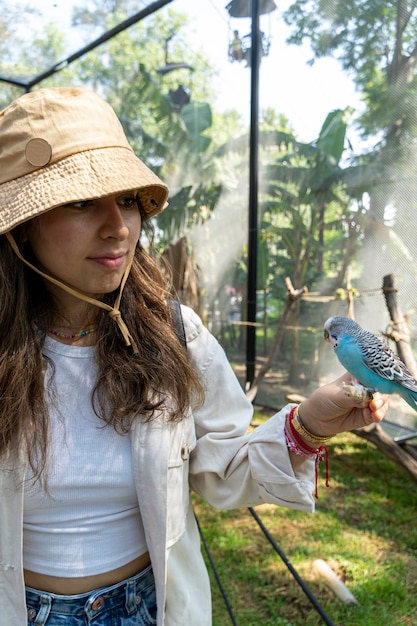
(294, 447)
(314, 440)
(298, 446)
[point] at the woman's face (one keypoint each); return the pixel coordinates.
(89, 244)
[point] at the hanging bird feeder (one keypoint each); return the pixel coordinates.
(239, 48)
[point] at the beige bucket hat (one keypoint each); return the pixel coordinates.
(66, 144)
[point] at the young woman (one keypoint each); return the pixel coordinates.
(106, 421)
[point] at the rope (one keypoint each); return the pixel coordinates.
(113, 311)
(363, 293)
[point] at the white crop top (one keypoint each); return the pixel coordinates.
(89, 521)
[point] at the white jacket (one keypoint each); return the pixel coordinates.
(209, 451)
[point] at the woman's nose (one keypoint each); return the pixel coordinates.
(113, 220)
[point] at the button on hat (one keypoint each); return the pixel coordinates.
(38, 152)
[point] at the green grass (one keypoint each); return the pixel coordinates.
(364, 528)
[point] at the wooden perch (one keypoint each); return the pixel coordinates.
(376, 434)
(399, 329)
(294, 294)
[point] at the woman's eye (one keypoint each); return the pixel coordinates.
(81, 205)
(127, 202)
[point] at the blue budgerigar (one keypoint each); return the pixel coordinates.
(369, 360)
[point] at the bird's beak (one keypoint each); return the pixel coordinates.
(326, 335)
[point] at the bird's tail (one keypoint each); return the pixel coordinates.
(410, 397)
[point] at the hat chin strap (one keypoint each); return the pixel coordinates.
(114, 311)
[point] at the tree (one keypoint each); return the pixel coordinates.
(376, 43)
(304, 199)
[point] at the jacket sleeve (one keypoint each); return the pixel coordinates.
(230, 467)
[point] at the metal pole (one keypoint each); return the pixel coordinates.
(326, 619)
(253, 197)
(155, 6)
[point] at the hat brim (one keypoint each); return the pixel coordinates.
(89, 174)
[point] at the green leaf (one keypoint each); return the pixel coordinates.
(197, 118)
(331, 140)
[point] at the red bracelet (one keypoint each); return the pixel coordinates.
(298, 446)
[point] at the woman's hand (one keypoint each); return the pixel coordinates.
(329, 410)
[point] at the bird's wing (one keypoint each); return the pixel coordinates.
(380, 359)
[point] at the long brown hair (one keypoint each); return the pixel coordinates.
(159, 377)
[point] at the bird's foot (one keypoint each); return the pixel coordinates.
(357, 391)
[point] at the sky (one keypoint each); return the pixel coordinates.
(287, 83)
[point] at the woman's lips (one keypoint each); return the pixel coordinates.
(109, 262)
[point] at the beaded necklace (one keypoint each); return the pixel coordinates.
(82, 333)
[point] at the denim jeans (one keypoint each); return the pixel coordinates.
(131, 602)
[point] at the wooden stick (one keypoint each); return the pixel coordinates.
(334, 582)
